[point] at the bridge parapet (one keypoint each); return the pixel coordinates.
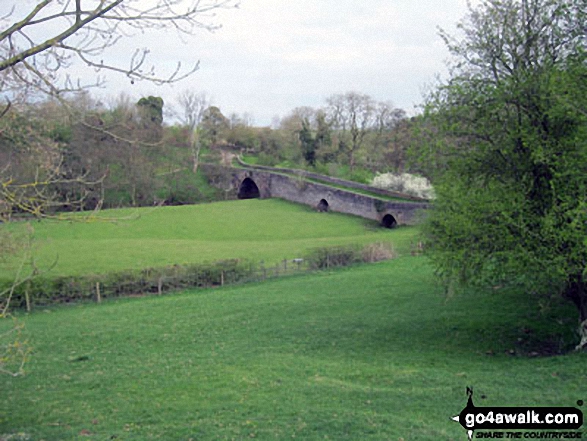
(321, 196)
(332, 180)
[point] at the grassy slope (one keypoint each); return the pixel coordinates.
(373, 352)
(269, 230)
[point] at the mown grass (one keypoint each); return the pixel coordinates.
(372, 352)
(268, 230)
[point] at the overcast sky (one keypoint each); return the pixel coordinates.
(271, 56)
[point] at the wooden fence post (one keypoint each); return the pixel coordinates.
(98, 295)
(27, 296)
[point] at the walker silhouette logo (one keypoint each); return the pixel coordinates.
(509, 419)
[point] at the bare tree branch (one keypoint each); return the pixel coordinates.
(21, 24)
(57, 39)
(85, 30)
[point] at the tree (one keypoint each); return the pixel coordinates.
(151, 110)
(323, 137)
(193, 105)
(512, 119)
(352, 114)
(308, 143)
(38, 43)
(388, 141)
(214, 125)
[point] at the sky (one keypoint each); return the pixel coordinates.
(272, 56)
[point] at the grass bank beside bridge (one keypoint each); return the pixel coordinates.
(259, 230)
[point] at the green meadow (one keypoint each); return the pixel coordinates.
(269, 230)
(371, 352)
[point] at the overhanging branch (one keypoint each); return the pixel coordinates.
(22, 56)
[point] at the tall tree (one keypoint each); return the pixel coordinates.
(193, 105)
(214, 125)
(352, 114)
(512, 200)
(308, 143)
(387, 144)
(151, 110)
(323, 137)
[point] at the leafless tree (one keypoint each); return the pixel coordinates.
(387, 116)
(41, 40)
(193, 105)
(38, 43)
(353, 115)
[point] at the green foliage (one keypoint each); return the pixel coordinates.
(325, 257)
(213, 126)
(47, 290)
(184, 187)
(346, 255)
(151, 110)
(512, 201)
(308, 143)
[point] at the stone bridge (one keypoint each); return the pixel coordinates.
(251, 183)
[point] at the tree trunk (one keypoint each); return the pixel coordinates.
(195, 144)
(576, 292)
(583, 334)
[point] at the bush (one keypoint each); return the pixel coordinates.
(331, 257)
(404, 183)
(42, 291)
(377, 252)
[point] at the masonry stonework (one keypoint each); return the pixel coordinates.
(338, 200)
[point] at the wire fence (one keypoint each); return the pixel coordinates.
(44, 291)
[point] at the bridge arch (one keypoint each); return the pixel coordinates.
(248, 189)
(388, 221)
(322, 205)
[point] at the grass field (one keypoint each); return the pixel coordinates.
(374, 352)
(269, 230)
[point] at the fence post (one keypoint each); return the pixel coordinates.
(160, 285)
(98, 295)
(222, 278)
(27, 297)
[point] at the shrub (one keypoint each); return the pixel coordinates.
(378, 251)
(329, 257)
(339, 256)
(404, 183)
(41, 291)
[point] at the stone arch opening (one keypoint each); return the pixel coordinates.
(322, 205)
(388, 221)
(248, 190)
